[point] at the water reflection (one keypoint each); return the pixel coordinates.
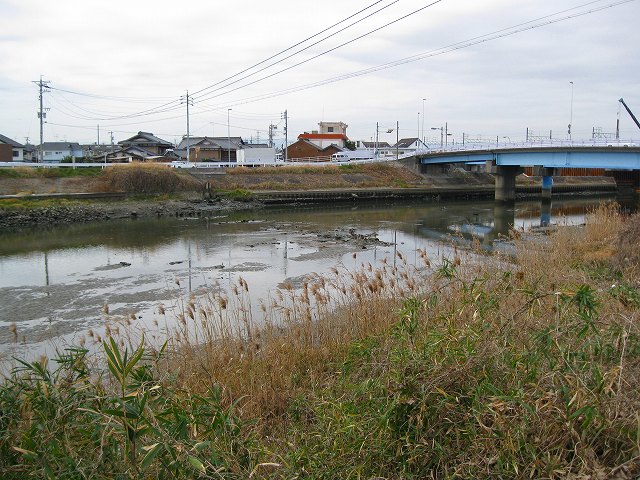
(55, 282)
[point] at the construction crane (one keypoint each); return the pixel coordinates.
(629, 112)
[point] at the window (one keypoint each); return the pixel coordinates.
(16, 153)
(330, 129)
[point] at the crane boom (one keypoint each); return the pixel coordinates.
(629, 112)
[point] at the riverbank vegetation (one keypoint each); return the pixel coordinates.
(464, 366)
(27, 172)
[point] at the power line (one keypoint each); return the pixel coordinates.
(506, 32)
(502, 33)
(293, 46)
(293, 54)
(210, 96)
(175, 104)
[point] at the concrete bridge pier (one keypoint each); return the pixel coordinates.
(547, 180)
(505, 181)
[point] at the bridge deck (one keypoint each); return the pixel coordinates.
(614, 158)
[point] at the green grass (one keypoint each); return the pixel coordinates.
(239, 194)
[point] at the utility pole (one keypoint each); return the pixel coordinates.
(397, 139)
(111, 134)
(229, 137)
(423, 100)
(286, 138)
(272, 127)
(188, 101)
(44, 87)
(98, 136)
(375, 147)
(446, 135)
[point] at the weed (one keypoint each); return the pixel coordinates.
(240, 195)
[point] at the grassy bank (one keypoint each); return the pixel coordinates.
(27, 172)
(462, 367)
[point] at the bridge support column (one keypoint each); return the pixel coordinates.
(505, 181)
(547, 182)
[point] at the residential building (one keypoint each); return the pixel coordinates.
(331, 133)
(333, 127)
(147, 141)
(210, 149)
(30, 153)
(324, 140)
(371, 145)
(10, 150)
(57, 151)
(307, 149)
(129, 154)
(407, 146)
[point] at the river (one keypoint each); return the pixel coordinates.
(61, 286)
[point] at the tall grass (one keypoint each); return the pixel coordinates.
(467, 366)
(147, 178)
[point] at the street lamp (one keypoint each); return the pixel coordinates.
(423, 100)
(228, 137)
(571, 114)
(508, 138)
(441, 135)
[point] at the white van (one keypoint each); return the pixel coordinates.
(340, 157)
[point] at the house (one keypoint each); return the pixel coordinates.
(57, 151)
(305, 148)
(97, 152)
(331, 133)
(210, 149)
(371, 145)
(406, 146)
(129, 154)
(30, 153)
(147, 141)
(10, 150)
(333, 127)
(323, 140)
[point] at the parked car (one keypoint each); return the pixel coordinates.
(182, 164)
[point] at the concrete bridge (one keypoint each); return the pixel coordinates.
(507, 163)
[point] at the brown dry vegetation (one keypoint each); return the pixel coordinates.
(146, 178)
(467, 366)
(316, 178)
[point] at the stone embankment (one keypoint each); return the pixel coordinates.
(12, 219)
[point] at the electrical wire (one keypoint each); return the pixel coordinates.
(502, 33)
(294, 46)
(360, 37)
(175, 104)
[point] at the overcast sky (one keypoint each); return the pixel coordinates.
(128, 64)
